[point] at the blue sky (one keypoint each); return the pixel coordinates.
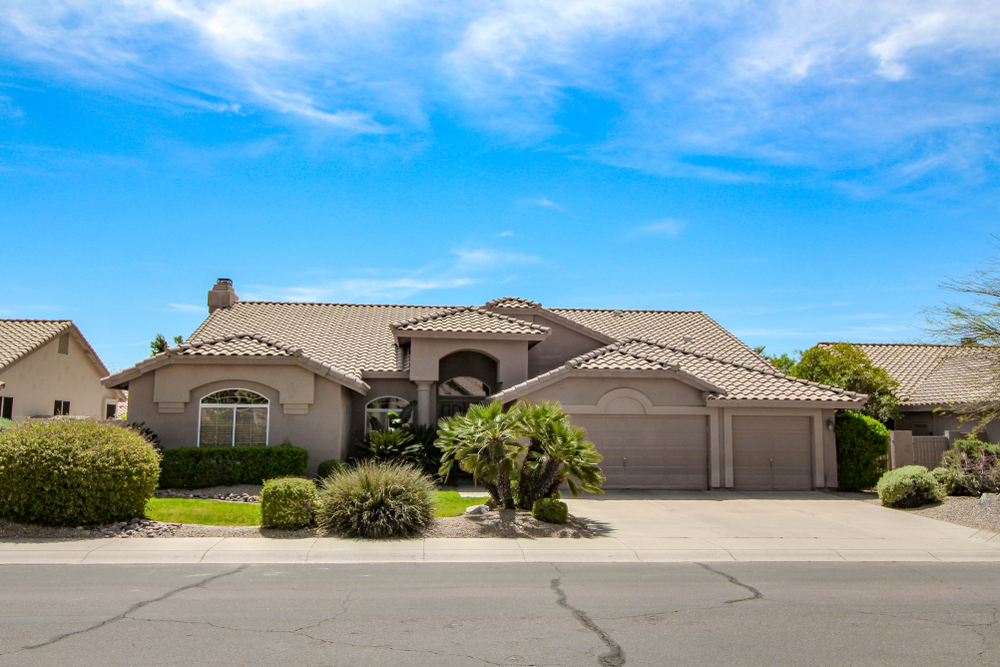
(800, 171)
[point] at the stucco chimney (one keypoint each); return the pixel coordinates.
(222, 295)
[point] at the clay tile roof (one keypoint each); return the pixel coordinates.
(743, 382)
(470, 320)
(692, 331)
(346, 336)
(512, 302)
(246, 345)
(19, 337)
(934, 374)
(355, 338)
(738, 381)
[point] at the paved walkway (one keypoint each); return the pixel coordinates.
(668, 528)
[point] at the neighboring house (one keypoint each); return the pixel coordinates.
(670, 398)
(48, 368)
(934, 380)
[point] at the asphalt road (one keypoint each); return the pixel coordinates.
(732, 614)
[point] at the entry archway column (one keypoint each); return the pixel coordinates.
(424, 402)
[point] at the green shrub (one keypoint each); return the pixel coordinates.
(376, 499)
(974, 447)
(6, 424)
(327, 468)
(862, 446)
(550, 510)
(71, 473)
(287, 502)
(909, 486)
(390, 445)
(197, 467)
(945, 479)
(973, 467)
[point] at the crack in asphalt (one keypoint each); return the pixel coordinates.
(136, 607)
(300, 632)
(757, 595)
(615, 657)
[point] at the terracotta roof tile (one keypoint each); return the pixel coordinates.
(245, 345)
(350, 337)
(355, 338)
(692, 331)
(512, 302)
(740, 382)
(934, 374)
(19, 337)
(470, 320)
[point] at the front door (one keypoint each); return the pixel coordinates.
(457, 394)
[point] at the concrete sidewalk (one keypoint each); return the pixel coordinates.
(797, 527)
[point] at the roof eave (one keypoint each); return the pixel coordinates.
(722, 401)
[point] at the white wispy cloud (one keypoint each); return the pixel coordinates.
(465, 266)
(544, 202)
(186, 308)
(727, 90)
(666, 227)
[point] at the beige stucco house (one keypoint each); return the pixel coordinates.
(48, 368)
(937, 383)
(670, 398)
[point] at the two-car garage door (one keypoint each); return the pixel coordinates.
(671, 451)
(650, 451)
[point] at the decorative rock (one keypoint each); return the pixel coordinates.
(989, 500)
(477, 509)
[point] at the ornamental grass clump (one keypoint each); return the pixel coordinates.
(75, 473)
(288, 503)
(909, 486)
(376, 500)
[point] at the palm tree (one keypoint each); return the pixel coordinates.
(484, 442)
(522, 455)
(558, 452)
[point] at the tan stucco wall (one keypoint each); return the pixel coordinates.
(937, 424)
(589, 390)
(511, 357)
(562, 345)
(324, 430)
(45, 376)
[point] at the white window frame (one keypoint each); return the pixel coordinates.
(383, 411)
(267, 428)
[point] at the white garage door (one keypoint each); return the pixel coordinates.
(650, 451)
(772, 453)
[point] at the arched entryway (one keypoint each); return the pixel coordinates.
(464, 378)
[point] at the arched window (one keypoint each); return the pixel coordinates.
(386, 412)
(233, 418)
(464, 387)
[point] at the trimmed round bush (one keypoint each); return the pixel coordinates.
(862, 446)
(327, 468)
(74, 473)
(375, 500)
(945, 478)
(550, 510)
(909, 486)
(287, 502)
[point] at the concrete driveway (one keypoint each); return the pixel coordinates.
(812, 526)
(640, 527)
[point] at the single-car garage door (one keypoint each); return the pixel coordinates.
(772, 453)
(650, 451)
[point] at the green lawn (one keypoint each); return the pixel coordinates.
(218, 513)
(203, 512)
(449, 503)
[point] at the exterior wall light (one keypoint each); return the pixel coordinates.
(829, 424)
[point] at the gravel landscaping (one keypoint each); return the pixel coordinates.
(980, 513)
